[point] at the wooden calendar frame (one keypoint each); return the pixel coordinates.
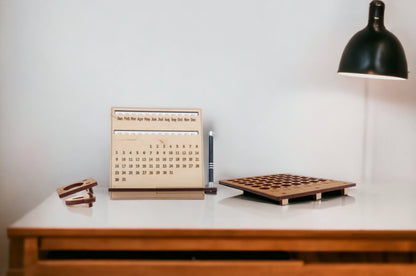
(156, 152)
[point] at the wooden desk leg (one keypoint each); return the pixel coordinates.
(24, 252)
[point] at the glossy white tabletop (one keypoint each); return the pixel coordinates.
(372, 207)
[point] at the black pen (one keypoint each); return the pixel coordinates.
(211, 160)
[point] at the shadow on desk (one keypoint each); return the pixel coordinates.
(329, 200)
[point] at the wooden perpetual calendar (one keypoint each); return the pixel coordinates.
(156, 153)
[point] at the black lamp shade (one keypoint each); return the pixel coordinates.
(374, 51)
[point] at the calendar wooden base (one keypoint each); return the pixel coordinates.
(160, 193)
(157, 195)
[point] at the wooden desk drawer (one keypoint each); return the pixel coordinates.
(209, 268)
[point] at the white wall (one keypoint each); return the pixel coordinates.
(264, 73)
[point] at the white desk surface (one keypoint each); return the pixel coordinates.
(367, 207)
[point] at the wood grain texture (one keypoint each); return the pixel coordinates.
(16, 253)
(208, 268)
(263, 244)
(214, 233)
(30, 251)
(222, 239)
